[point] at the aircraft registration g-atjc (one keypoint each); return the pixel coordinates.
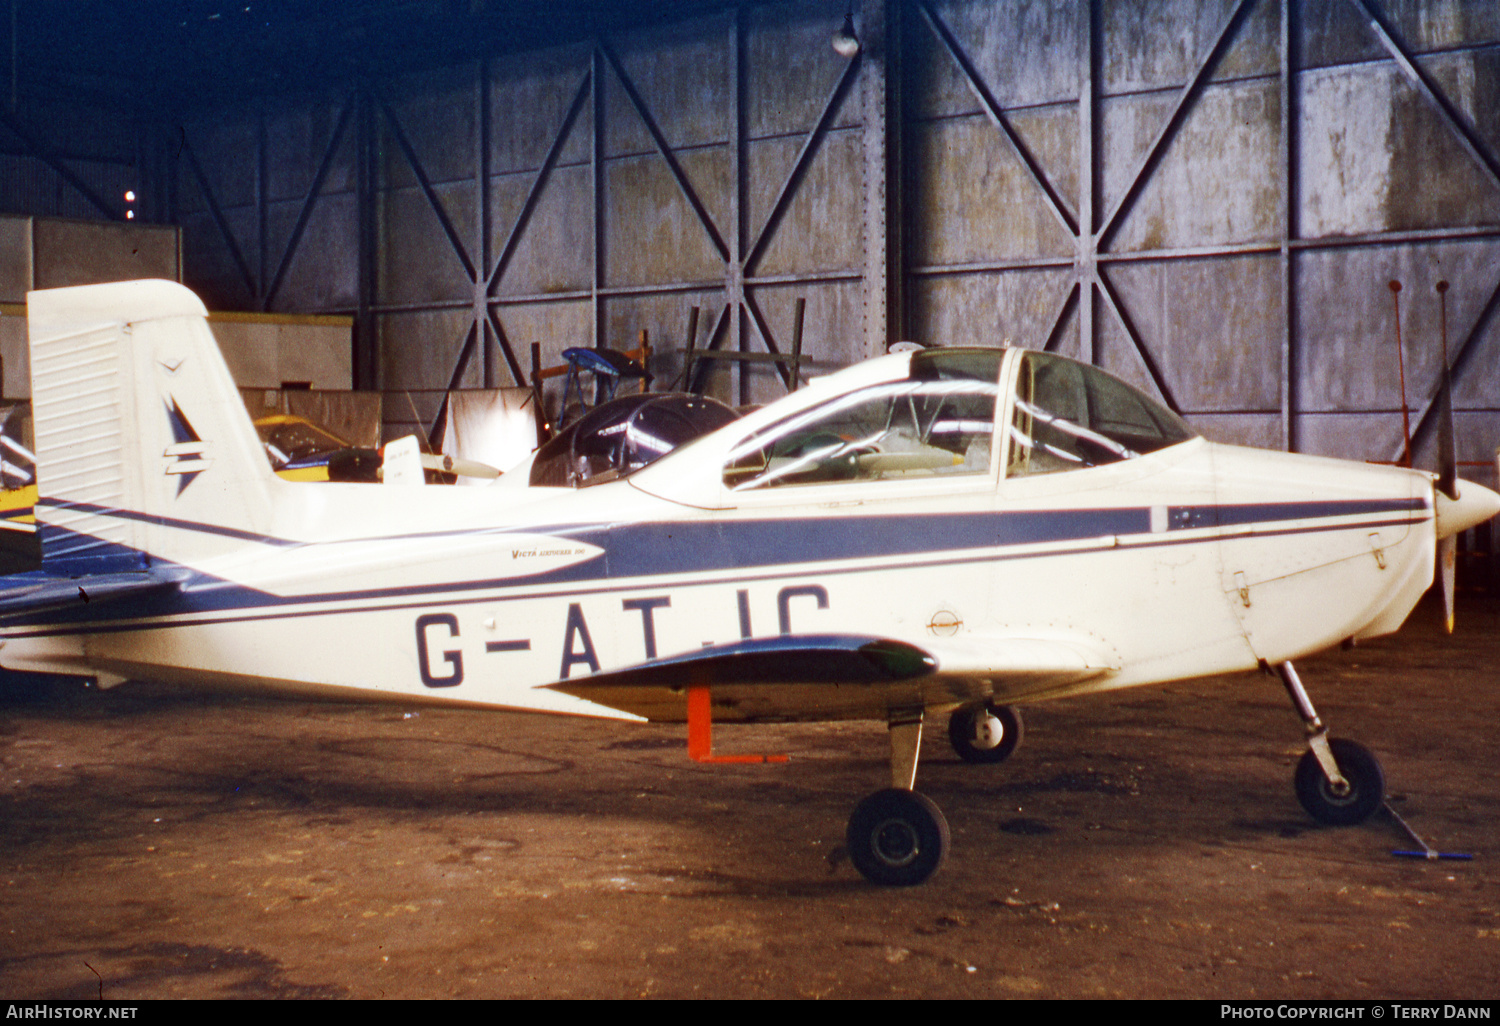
(934, 532)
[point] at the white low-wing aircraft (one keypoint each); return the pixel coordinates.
(938, 531)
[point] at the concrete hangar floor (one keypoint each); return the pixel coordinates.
(163, 843)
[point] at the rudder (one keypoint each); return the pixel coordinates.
(143, 445)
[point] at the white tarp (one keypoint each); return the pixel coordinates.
(492, 425)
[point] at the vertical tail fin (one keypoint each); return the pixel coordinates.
(143, 445)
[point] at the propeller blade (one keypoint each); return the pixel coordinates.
(1447, 573)
(1447, 448)
(457, 465)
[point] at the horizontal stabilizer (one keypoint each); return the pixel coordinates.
(36, 593)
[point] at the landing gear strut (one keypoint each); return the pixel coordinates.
(898, 837)
(1339, 782)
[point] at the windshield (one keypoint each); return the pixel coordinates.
(938, 421)
(1070, 415)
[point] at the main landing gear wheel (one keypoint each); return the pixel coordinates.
(1364, 795)
(985, 733)
(897, 838)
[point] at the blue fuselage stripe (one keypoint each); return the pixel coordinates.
(715, 551)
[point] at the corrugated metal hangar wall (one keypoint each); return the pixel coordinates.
(1208, 197)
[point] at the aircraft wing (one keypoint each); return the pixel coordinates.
(840, 676)
(37, 593)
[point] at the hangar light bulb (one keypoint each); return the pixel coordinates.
(845, 42)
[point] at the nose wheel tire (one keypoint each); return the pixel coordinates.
(1366, 792)
(985, 733)
(897, 838)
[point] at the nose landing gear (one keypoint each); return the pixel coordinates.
(1339, 782)
(985, 733)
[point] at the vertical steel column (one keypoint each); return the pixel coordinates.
(481, 243)
(596, 182)
(873, 95)
(734, 266)
(897, 327)
(15, 56)
(1086, 264)
(366, 186)
(1288, 161)
(262, 202)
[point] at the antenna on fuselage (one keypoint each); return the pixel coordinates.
(1395, 287)
(1447, 446)
(1447, 480)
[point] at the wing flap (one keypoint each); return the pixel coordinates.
(832, 677)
